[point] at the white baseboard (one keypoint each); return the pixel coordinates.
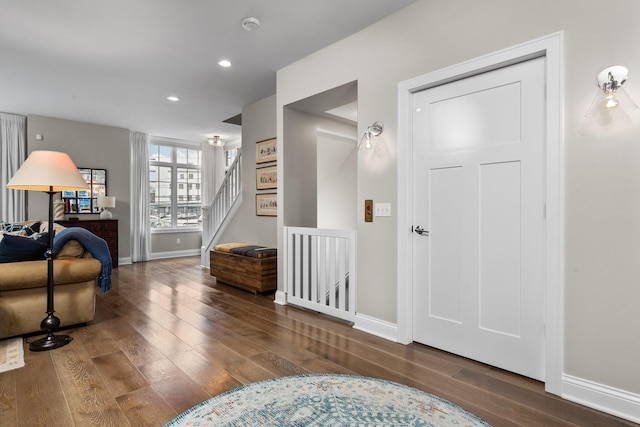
(281, 298)
(604, 398)
(124, 261)
(619, 403)
(175, 254)
(377, 327)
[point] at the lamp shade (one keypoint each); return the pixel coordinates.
(106, 201)
(48, 171)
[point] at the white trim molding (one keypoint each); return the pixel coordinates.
(175, 254)
(124, 261)
(604, 398)
(377, 327)
(549, 47)
(281, 298)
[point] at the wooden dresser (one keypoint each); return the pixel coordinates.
(106, 229)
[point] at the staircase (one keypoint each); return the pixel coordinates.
(218, 215)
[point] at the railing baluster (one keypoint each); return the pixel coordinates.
(320, 273)
(322, 267)
(342, 269)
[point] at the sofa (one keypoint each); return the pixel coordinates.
(23, 289)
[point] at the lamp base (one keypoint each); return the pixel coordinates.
(50, 342)
(105, 214)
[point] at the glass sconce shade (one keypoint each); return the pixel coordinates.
(368, 138)
(609, 108)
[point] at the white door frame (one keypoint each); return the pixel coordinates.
(549, 47)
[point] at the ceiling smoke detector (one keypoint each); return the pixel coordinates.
(250, 24)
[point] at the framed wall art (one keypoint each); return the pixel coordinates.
(267, 178)
(267, 204)
(266, 151)
(85, 202)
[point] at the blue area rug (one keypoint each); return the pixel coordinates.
(326, 400)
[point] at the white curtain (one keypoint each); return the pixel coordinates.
(13, 152)
(140, 211)
(212, 172)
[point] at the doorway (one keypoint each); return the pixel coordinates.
(548, 48)
(319, 213)
(478, 181)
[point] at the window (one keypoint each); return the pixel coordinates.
(229, 157)
(174, 166)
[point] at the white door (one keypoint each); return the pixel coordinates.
(478, 179)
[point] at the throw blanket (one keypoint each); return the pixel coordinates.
(96, 247)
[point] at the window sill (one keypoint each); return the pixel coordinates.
(176, 230)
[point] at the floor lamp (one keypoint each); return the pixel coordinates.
(51, 172)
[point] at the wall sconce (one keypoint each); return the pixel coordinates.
(216, 141)
(612, 101)
(368, 139)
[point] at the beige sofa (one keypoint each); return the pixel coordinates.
(23, 290)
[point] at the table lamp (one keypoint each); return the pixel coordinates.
(105, 202)
(51, 172)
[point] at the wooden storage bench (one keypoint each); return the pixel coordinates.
(249, 267)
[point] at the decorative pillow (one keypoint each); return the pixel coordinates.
(15, 248)
(56, 227)
(26, 228)
(255, 251)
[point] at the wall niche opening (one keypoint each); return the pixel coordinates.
(320, 159)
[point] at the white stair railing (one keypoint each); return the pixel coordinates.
(217, 216)
(321, 270)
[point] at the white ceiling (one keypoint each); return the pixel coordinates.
(114, 62)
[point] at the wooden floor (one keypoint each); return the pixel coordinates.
(167, 337)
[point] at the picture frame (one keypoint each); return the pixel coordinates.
(267, 151)
(267, 204)
(267, 178)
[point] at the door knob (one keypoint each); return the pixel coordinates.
(421, 231)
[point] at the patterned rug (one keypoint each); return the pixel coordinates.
(326, 400)
(11, 354)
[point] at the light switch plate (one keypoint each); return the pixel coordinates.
(382, 209)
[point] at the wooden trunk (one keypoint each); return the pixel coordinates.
(252, 274)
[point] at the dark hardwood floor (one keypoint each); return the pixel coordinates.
(168, 337)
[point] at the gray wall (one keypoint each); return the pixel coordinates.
(301, 163)
(258, 124)
(337, 181)
(92, 146)
(173, 244)
(300, 201)
(602, 184)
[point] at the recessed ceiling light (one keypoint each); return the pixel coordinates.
(173, 98)
(224, 63)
